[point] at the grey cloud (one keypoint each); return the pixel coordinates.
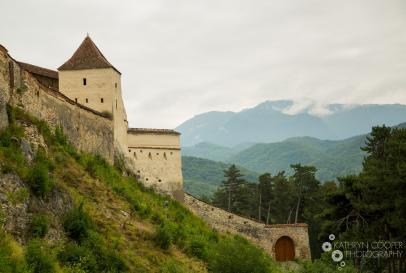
(184, 57)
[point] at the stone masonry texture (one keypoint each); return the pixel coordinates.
(265, 236)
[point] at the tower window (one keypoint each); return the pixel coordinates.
(115, 85)
(149, 155)
(87, 100)
(84, 81)
(101, 100)
(116, 104)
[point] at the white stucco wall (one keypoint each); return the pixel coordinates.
(156, 159)
(101, 84)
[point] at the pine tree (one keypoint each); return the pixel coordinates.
(226, 196)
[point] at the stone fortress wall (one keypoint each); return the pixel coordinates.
(258, 233)
(156, 157)
(88, 130)
(100, 90)
(88, 104)
(152, 154)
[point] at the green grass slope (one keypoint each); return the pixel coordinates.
(115, 224)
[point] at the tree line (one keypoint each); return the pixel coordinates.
(369, 206)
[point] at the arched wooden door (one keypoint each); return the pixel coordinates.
(284, 249)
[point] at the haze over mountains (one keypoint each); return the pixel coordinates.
(273, 121)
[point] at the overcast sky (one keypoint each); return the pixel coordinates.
(182, 58)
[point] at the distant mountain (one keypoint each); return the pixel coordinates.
(203, 176)
(273, 121)
(333, 158)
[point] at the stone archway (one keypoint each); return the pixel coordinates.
(284, 249)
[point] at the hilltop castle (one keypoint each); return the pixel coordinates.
(84, 98)
(88, 79)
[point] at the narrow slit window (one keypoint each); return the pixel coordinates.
(101, 100)
(76, 99)
(84, 81)
(150, 156)
(115, 85)
(87, 100)
(116, 104)
(165, 155)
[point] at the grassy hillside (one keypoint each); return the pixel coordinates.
(203, 176)
(113, 223)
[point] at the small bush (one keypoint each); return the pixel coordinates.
(164, 237)
(198, 248)
(8, 263)
(77, 256)
(39, 226)
(237, 255)
(77, 224)
(39, 258)
(39, 180)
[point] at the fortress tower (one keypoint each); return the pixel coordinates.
(89, 79)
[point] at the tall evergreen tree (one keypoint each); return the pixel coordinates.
(226, 196)
(304, 178)
(265, 192)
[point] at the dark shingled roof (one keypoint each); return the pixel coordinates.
(152, 131)
(87, 56)
(39, 70)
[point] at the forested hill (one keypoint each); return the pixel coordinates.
(273, 121)
(331, 158)
(202, 176)
(203, 163)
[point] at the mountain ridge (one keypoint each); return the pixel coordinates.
(273, 121)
